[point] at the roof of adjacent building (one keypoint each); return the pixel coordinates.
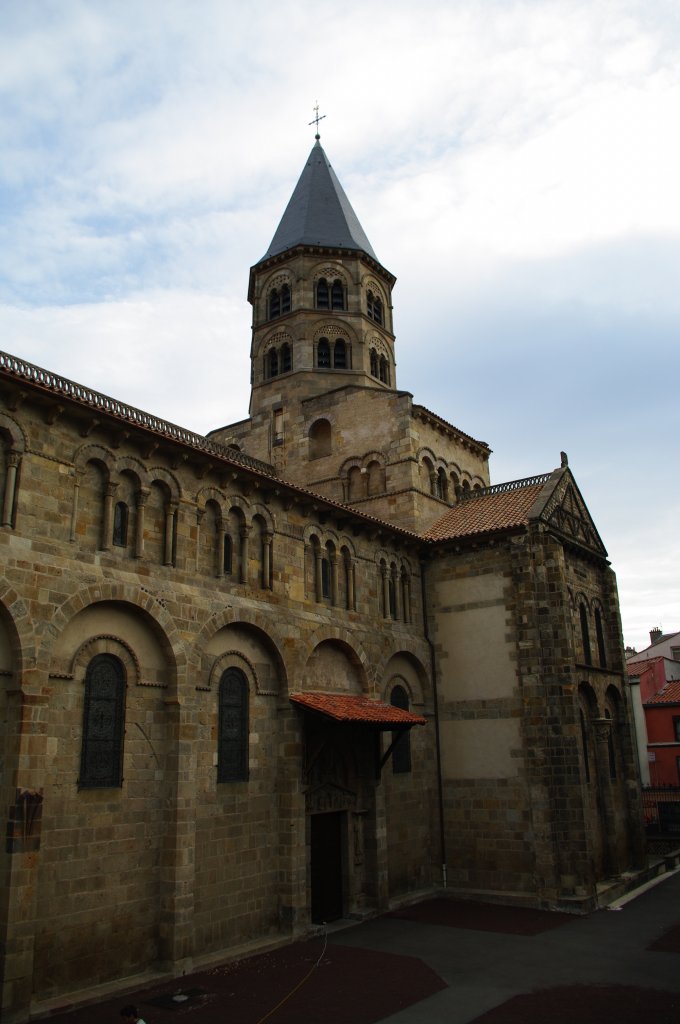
(494, 508)
(669, 695)
(349, 707)
(645, 655)
(319, 212)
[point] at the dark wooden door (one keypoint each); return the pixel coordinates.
(326, 867)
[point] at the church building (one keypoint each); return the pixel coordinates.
(306, 668)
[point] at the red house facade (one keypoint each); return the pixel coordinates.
(660, 695)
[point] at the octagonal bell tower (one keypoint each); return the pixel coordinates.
(322, 303)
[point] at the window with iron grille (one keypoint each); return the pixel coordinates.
(401, 752)
(101, 758)
(232, 743)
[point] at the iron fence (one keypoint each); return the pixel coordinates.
(661, 810)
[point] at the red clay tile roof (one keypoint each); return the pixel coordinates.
(669, 695)
(486, 513)
(644, 663)
(346, 707)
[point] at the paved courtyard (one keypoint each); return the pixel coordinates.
(443, 962)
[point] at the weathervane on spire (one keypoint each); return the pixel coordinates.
(316, 120)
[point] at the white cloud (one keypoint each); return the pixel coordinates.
(514, 163)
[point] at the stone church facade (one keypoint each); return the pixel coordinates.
(304, 668)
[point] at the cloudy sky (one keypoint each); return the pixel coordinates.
(515, 164)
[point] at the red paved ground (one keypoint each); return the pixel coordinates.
(486, 917)
(311, 983)
(349, 986)
(588, 1004)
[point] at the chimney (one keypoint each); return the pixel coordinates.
(655, 634)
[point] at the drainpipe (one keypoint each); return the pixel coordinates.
(438, 748)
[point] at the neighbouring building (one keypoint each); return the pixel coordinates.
(655, 672)
(304, 668)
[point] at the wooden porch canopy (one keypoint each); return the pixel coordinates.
(354, 709)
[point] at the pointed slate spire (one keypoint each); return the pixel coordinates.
(319, 212)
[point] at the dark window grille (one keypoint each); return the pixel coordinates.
(599, 636)
(377, 311)
(285, 299)
(120, 524)
(325, 578)
(384, 370)
(401, 752)
(232, 744)
(274, 304)
(103, 721)
(226, 554)
(286, 359)
(337, 295)
(273, 362)
(340, 355)
(322, 297)
(323, 354)
(585, 635)
(374, 363)
(392, 593)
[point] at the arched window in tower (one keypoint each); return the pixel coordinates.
(120, 524)
(232, 735)
(323, 354)
(274, 303)
(286, 358)
(319, 439)
(392, 591)
(272, 363)
(227, 551)
(599, 636)
(441, 484)
(285, 299)
(340, 354)
(384, 370)
(374, 308)
(374, 363)
(101, 756)
(337, 295)
(401, 752)
(585, 634)
(322, 296)
(325, 577)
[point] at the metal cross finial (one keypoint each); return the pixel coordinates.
(316, 120)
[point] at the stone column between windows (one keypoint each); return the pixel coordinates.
(74, 510)
(333, 559)
(107, 522)
(602, 729)
(10, 487)
(397, 594)
(318, 581)
(142, 495)
(170, 513)
(200, 512)
(266, 560)
(406, 591)
(386, 591)
(219, 548)
(351, 586)
(245, 531)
